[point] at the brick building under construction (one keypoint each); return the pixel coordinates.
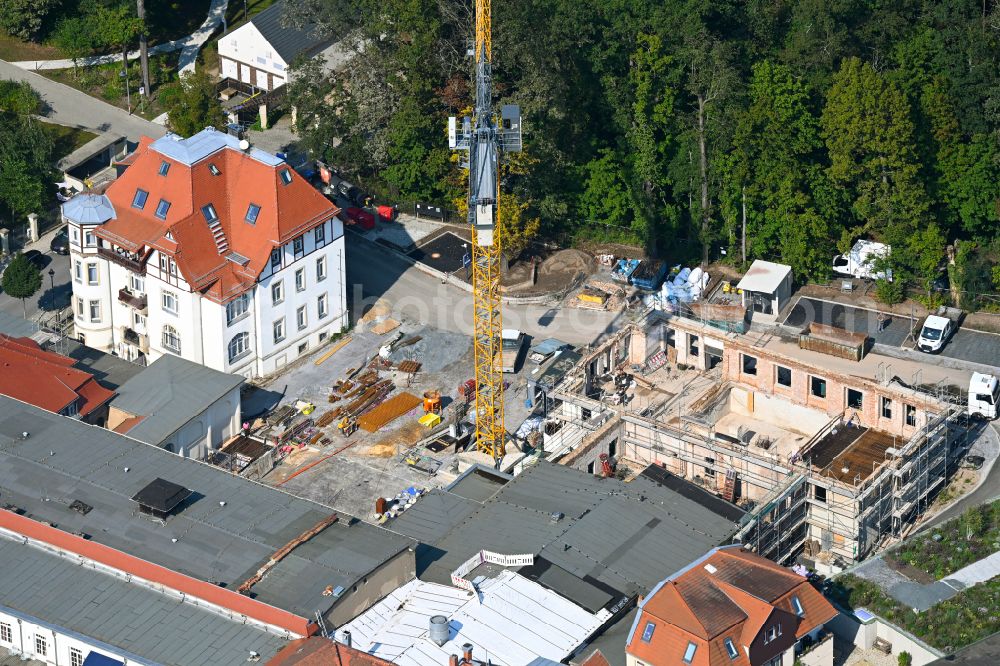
(832, 446)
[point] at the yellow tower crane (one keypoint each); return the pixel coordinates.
(485, 140)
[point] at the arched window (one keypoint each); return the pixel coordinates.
(171, 339)
(239, 346)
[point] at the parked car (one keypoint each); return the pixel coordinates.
(60, 242)
(37, 258)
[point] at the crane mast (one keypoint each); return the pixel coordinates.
(485, 141)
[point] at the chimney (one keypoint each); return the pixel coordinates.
(345, 638)
(467, 653)
(453, 660)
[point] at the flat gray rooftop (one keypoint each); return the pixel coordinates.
(619, 538)
(169, 393)
(135, 619)
(63, 460)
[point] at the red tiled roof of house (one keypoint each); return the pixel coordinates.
(128, 424)
(46, 379)
(596, 658)
(318, 651)
(728, 594)
(286, 211)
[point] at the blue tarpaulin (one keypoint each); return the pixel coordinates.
(98, 659)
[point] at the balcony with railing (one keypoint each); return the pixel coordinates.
(128, 260)
(132, 299)
(130, 337)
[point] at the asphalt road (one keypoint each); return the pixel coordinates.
(859, 320)
(988, 446)
(373, 273)
(55, 292)
(965, 345)
(68, 106)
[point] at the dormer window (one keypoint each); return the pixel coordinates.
(208, 211)
(214, 170)
(286, 176)
(164, 168)
(169, 236)
(162, 208)
(797, 607)
(139, 200)
(252, 212)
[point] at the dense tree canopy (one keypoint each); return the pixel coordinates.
(678, 124)
(25, 154)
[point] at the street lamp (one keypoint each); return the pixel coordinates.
(52, 278)
(123, 74)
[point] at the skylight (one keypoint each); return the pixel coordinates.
(689, 653)
(286, 176)
(797, 606)
(162, 208)
(252, 212)
(139, 200)
(214, 169)
(731, 649)
(164, 168)
(208, 210)
(647, 633)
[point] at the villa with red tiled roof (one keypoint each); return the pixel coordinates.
(729, 608)
(49, 381)
(210, 250)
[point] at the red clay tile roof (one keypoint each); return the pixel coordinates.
(317, 651)
(54, 383)
(596, 658)
(734, 600)
(286, 211)
(128, 424)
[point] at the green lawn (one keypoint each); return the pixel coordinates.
(13, 49)
(66, 139)
(960, 542)
(969, 616)
(104, 82)
(234, 12)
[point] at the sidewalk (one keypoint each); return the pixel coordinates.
(921, 596)
(189, 46)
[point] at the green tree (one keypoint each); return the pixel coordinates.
(973, 521)
(25, 150)
(72, 36)
(606, 203)
(870, 141)
(777, 156)
(191, 104)
(113, 25)
(21, 279)
(25, 18)
(19, 98)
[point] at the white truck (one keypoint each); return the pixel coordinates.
(511, 342)
(984, 395)
(938, 329)
(860, 261)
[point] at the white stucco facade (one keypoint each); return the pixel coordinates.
(245, 55)
(36, 639)
(160, 314)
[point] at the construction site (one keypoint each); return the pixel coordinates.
(830, 456)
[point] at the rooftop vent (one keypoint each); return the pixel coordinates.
(160, 498)
(80, 507)
(557, 516)
(439, 630)
(710, 568)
